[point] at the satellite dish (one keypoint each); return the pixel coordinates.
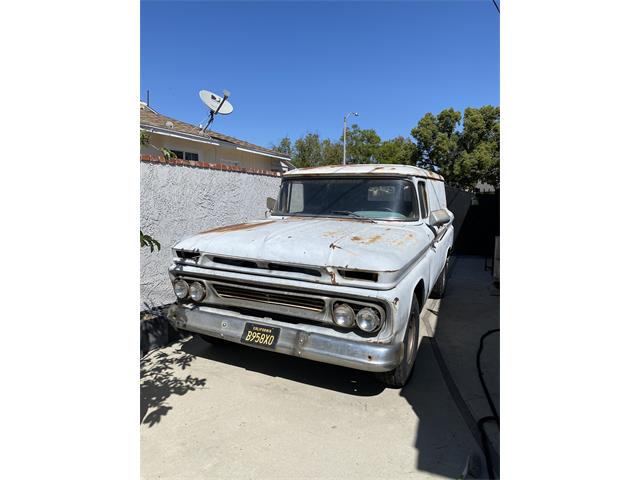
(216, 103)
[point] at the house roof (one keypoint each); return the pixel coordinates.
(151, 118)
(366, 169)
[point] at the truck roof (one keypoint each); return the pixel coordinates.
(365, 169)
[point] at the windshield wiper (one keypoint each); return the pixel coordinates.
(352, 214)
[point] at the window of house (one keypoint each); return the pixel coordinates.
(185, 155)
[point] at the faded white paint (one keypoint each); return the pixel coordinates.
(177, 202)
(408, 258)
(387, 248)
(367, 169)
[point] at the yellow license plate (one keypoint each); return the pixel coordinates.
(260, 335)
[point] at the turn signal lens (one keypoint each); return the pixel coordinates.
(343, 315)
(368, 320)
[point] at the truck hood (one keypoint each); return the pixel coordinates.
(341, 243)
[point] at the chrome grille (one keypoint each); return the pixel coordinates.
(275, 298)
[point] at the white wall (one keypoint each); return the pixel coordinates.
(177, 202)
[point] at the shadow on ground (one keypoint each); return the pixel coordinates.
(445, 391)
(273, 364)
(158, 382)
(443, 440)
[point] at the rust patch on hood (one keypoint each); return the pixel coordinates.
(383, 167)
(368, 241)
(237, 227)
(406, 238)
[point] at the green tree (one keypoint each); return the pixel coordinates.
(466, 155)
(284, 146)
(307, 151)
(362, 145)
(466, 149)
(399, 150)
(331, 152)
(311, 151)
(437, 138)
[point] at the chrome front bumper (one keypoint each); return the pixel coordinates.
(293, 340)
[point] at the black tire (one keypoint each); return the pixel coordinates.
(211, 340)
(440, 287)
(399, 376)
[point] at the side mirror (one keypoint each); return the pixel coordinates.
(439, 217)
(271, 203)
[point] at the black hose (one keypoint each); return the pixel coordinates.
(481, 375)
(492, 418)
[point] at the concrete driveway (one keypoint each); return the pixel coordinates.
(229, 411)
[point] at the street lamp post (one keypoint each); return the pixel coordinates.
(344, 136)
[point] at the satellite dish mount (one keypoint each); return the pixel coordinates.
(216, 104)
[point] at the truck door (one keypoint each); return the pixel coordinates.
(430, 253)
(441, 244)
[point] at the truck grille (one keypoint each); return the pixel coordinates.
(275, 298)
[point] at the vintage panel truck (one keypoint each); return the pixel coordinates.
(338, 271)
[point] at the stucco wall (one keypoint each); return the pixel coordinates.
(179, 201)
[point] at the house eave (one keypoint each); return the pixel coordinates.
(187, 136)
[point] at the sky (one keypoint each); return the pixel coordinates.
(299, 67)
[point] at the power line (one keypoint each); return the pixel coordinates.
(496, 5)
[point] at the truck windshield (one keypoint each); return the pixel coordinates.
(373, 198)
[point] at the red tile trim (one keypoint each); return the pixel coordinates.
(210, 166)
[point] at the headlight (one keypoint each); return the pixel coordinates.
(368, 319)
(343, 315)
(197, 291)
(181, 288)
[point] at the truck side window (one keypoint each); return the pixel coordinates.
(423, 199)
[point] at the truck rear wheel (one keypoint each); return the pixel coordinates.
(399, 376)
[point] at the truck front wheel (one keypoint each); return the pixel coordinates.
(399, 376)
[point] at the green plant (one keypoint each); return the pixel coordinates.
(148, 241)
